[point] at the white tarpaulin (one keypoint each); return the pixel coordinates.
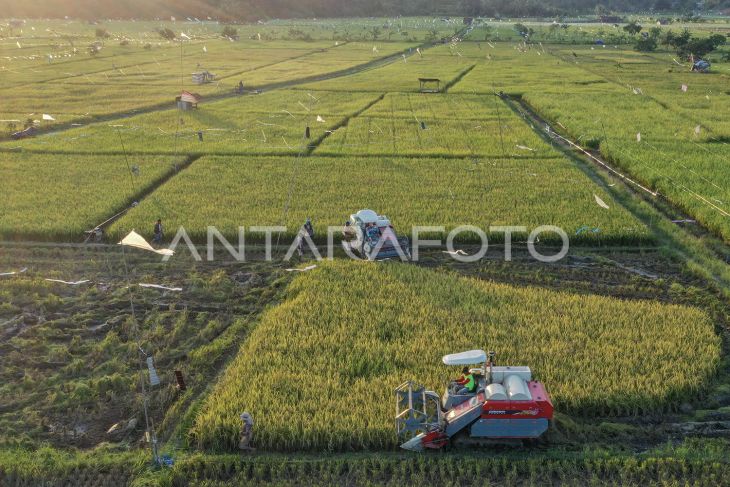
(133, 239)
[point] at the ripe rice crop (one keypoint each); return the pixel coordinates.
(606, 96)
(80, 87)
(505, 68)
(420, 124)
(271, 123)
(48, 196)
(660, 78)
(319, 370)
(438, 62)
(232, 192)
(669, 158)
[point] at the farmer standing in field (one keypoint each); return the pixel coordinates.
(307, 230)
(158, 232)
(246, 432)
(348, 233)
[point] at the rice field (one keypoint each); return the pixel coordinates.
(270, 123)
(471, 147)
(68, 353)
(445, 62)
(229, 192)
(349, 333)
(47, 196)
(666, 154)
(626, 332)
(631, 105)
(517, 70)
(73, 86)
(127, 82)
(682, 152)
(671, 140)
(417, 124)
(274, 123)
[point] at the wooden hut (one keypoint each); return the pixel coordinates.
(203, 77)
(188, 101)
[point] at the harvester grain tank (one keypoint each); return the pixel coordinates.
(507, 404)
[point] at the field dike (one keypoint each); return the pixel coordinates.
(137, 198)
(458, 78)
(342, 123)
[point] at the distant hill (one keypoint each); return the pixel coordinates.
(251, 10)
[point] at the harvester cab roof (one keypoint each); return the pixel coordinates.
(506, 404)
(369, 216)
(472, 357)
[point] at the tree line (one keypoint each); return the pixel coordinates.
(253, 10)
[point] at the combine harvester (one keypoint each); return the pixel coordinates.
(506, 406)
(375, 239)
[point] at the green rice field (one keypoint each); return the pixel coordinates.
(121, 367)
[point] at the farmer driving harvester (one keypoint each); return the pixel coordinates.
(467, 381)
